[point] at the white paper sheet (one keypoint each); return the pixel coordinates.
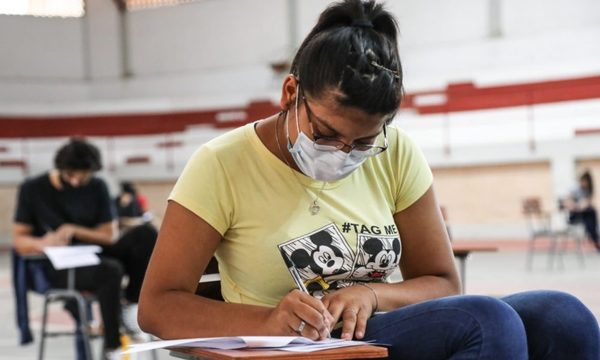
(323, 346)
(288, 343)
(66, 257)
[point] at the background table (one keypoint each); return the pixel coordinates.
(461, 252)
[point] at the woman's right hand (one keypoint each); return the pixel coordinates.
(294, 309)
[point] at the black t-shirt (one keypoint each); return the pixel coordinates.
(46, 208)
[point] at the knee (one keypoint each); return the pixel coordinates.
(553, 310)
(492, 313)
(112, 271)
(557, 323)
(494, 327)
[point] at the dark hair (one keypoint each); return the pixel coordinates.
(353, 49)
(127, 187)
(78, 154)
(587, 177)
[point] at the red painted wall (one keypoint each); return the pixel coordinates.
(459, 97)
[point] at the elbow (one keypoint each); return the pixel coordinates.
(148, 317)
(144, 315)
(21, 250)
(25, 248)
(146, 321)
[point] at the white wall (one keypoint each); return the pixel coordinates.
(434, 22)
(207, 35)
(40, 49)
(103, 55)
(218, 52)
(542, 16)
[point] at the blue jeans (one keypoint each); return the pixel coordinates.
(528, 325)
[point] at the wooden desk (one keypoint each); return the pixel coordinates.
(461, 252)
(351, 352)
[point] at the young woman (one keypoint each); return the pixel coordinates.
(326, 186)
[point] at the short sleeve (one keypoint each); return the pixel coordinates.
(24, 211)
(415, 176)
(204, 188)
(106, 209)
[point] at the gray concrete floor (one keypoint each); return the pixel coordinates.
(498, 273)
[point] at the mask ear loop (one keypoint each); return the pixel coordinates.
(287, 129)
(297, 97)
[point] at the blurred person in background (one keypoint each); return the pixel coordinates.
(132, 207)
(133, 249)
(581, 208)
(69, 205)
(127, 202)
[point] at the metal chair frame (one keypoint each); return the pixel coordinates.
(82, 327)
(541, 225)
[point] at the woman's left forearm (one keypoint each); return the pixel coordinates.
(411, 291)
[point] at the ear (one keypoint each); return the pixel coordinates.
(301, 258)
(372, 246)
(322, 238)
(288, 92)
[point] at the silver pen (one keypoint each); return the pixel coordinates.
(296, 276)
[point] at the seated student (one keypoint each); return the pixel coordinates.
(581, 208)
(327, 184)
(68, 205)
(127, 203)
(133, 249)
(129, 206)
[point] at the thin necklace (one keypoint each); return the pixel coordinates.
(314, 207)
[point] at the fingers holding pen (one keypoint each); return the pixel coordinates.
(301, 314)
(315, 313)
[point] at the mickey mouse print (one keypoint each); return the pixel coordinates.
(326, 262)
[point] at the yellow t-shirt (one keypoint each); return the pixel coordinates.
(261, 208)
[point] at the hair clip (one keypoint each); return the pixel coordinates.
(394, 73)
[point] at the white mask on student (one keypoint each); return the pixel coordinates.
(321, 162)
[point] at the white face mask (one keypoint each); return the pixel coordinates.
(319, 163)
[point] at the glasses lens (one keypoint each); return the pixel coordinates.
(329, 144)
(326, 144)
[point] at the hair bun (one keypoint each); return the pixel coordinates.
(362, 23)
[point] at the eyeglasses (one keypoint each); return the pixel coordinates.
(328, 143)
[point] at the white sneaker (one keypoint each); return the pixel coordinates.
(130, 318)
(131, 325)
(112, 355)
